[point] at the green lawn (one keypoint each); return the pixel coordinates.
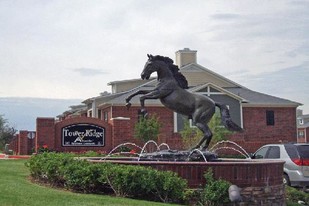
(17, 190)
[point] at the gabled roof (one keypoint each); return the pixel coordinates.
(128, 80)
(260, 99)
(304, 116)
(120, 100)
(201, 77)
(303, 126)
(244, 95)
(205, 75)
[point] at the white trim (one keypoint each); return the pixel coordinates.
(175, 121)
(191, 124)
(241, 115)
(220, 89)
(121, 118)
(111, 112)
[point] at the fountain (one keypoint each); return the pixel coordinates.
(253, 176)
(248, 174)
(240, 149)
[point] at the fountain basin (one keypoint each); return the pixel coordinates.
(261, 181)
(241, 172)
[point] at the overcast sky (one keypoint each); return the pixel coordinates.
(73, 48)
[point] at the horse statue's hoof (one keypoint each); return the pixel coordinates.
(128, 105)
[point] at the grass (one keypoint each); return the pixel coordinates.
(17, 190)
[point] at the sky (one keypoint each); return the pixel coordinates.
(72, 49)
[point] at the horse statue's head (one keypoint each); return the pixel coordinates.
(150, 67)
(155, 62)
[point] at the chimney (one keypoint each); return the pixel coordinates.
(185, 56)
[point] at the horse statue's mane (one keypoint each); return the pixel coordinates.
(180, 78)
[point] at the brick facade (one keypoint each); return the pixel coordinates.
(258, 133)
(119, 123)
(22, 144)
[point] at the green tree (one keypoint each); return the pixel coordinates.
(6, 132)
(218, 130)
(191, 135)
(147, 128)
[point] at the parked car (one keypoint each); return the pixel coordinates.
(296, 157)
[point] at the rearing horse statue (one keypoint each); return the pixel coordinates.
(172, 94)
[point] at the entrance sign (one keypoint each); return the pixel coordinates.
(82, 134)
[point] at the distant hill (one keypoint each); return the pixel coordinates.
(21, 112)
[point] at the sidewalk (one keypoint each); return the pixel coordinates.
(4, 156)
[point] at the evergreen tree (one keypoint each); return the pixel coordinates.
(147, 128)
(6, 132)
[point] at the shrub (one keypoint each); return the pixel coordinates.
(294, 195)
(49, 166)
(169, 187)
(146, 183)
(215, 191)
(124, 180)
(83, 176)
(89, 153)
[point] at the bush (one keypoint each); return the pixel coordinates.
(294, 195)
(83, 176)
(215, 191)
(124, 180)
(132, 181)
(146, 183)
(169, 187)
(49, 166)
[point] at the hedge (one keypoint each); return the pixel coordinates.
(62, 170)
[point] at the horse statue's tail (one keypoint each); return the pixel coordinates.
(226, 118)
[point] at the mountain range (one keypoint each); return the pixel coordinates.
(21, 112)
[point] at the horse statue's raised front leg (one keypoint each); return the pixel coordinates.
(128, 99)
(154, 94)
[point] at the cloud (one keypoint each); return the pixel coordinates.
(233, 38)
(225, 16)
(89, 71)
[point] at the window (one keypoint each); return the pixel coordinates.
(301, 134)
(261, 153)
(105, 116)
(273, 153)
(301, 121)
(90, 113)
(270, 118)
(99, 114)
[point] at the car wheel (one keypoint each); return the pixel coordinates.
(286, 180)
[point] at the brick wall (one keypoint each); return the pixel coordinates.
(14, 144)
(21, 144)
(123, 130)
(45, 133)
(120, 128)
(258, 133)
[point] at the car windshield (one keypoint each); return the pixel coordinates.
(303, 151)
